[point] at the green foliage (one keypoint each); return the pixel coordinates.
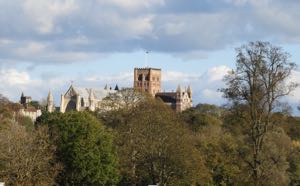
(154, 146)
(197, 120)
(290, 124)
(294, 160)
(209, 109)
(35, 104)
(84, 147)
(220, 151)
(7, 112)
(26, 122)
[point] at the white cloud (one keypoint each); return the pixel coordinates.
(237, 2)
(175, 76)
(205, 86)
(132, 5)
(218, 73)
(211, 94)
(122, 77)
(13, 82)
(44, 13)
(5, 41)
(175, 28)
(185, 30)
(32, 48)
(294, 97)
(12, 77)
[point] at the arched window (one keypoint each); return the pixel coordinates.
(147, 78)
(71, 106)
(140, 78)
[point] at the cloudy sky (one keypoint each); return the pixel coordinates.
(44, 45)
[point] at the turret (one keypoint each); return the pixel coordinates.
(25, 100)
(50, 102)
(22, 99)
(189, 91)
(179, 89)
(178, 98)
(62, 103)
(91, 100)
(116, 87)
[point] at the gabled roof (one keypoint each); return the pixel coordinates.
(86, 92)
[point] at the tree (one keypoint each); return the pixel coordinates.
(219, 149)
(123, 99)
(156, 148)
(294, 160)
(7, 110)
(27, 158)
(258, 83)
(201, 116)
(209, 109)
(116, 107)
(85, 148)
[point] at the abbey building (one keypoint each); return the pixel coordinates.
(145, 80)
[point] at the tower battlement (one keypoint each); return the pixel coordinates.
(147, 68)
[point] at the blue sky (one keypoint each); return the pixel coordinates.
(44, 45)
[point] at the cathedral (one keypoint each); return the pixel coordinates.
(145, 80)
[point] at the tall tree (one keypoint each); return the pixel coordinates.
(259, 82)
(85, 148)
(156, 148)
(27, 157)
(116, 113)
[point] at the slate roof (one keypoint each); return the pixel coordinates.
(98, 94)
(167, 97)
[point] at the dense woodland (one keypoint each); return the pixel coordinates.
(138, 140)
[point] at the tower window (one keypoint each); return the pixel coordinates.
(140, 78)
(147, 78)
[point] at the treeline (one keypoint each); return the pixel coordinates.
(144, 143)
(138, 140)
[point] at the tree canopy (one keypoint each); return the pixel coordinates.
(85, 148)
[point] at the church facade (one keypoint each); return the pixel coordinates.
(79, 99)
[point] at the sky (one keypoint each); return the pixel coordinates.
(46, 45)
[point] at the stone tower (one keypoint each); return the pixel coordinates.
(50, 102)
(25, 100)
(147, 80)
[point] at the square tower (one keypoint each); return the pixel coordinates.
(147, 80)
